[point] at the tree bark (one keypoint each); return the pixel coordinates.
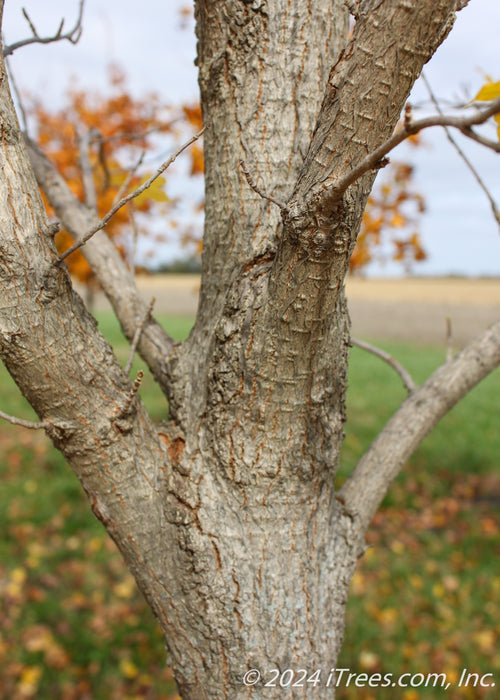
(227, 515)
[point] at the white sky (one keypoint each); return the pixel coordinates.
(146, 40)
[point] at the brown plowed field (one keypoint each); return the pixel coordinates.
(408, 309)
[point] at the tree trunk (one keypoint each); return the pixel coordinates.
(227, 515)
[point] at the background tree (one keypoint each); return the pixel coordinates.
(227, 515)
(95, 141)
(102, 136)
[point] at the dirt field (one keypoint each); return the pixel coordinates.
(408, 309)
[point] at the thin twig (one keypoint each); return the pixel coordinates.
(256, 189)
(408, 114)
(405, 376)
(333, 189)
(84, 138)
(474, 136)
(128, 179)
(449, 339)
(17, 94)
(468, 163)
(126, 408)
(101, 154)
(73, 35)
(136, 136)
(104, 221)
(24, 423)
(137, 336)
(135, 238)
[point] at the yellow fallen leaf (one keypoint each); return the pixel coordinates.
(29, 681)
(438, 590)
(128, 668)
(18, 575)
(368, 660)
(485, 639)
(410, 695)
(125, 589)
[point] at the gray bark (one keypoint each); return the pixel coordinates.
(227, 515)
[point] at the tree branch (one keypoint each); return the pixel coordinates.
(479, 138)
(155, 345)
(257, 190)
(121, 203)
(126, 184)
(73, 35)
(17, 94)
(84, 139)
(137, 336)
(364, 96)
(132, 255)
(449, 339)
(417, 415)
(378, 352)
(333, 188)
(494, 208)
(24, 423)
(126, 408)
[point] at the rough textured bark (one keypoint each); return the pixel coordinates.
(228, 515)
(110, 269)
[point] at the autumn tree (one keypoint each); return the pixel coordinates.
(227, 513)
(94, 139)
(100, 144)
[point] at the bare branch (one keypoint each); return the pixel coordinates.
(118, 283)
(73, 35)
(24, 423)
(405, 376)
(415, 418)
(332, 189)
(137, 336)
(474, 136)
(17, 93)
(127, 404)
(136, 136)
(105, 220)
(258, 191)
(84, 140)
(129, 178)
(135, 239)
(102, 157)
(468, 163)
(449, 339)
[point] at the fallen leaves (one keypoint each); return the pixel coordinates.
(426, 595)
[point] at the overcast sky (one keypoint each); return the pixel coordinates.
(147, 40)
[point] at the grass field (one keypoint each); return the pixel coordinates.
(426, 596)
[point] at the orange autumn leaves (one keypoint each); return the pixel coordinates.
(393, 208)
(195, 119)
(120, 127)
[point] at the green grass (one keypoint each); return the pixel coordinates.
(467, 440)
(426, 597)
